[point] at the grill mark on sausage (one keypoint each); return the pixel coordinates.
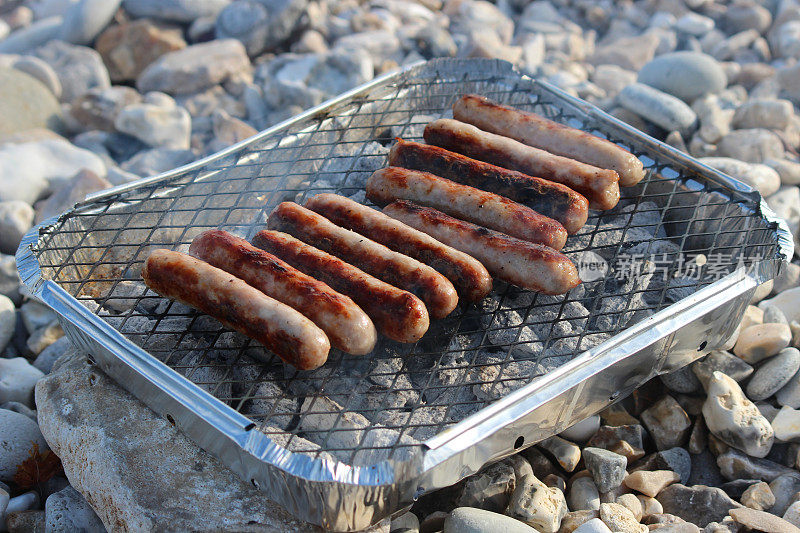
(551, 199)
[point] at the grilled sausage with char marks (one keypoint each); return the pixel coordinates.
(346, 325)
(599, 186)
(525, 264)
(290, 335)
(468, 275)
(551, 199)
(398, 314)
(397, 269)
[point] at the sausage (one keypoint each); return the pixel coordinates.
(551, 199)
(290, 335)
(535, 130)
(345, 324)
(599, 186)
(398, 314)
(526, 264)
(435, 290)
(467, 203)
(470, 278)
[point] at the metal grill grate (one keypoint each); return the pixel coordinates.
(361, 410)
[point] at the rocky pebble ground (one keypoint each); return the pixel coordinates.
(95, 93)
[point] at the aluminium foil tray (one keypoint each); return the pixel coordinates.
(360, 438)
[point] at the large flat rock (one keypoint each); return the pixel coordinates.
(136, 470)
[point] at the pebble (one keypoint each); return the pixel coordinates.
(724, 362)
(41, 71)
(537, 505)
(762, 521)
(786, 204)
(762, 113)
(784, 487)
(676, 459)
(8, 321)
(475, 17)
(16, 218)
(694, 24)
(607, 468)
(78, 68)
(789, 394)
(746, 15)
(789, 278)
(583, 495)
(21, 409)
(575, 519)
(792, 514)
(773, 374)
(260, 25)
(489, 489)
(773, 315)
(174, 10)
(608, 437)
(157, 126)
(698, 504)
(761, 341)
(68, 193)
(157, 160)
(566, 453)
(658, 107)
(758, 496)
(734, 464)
(682, 380)
(195, 67)
(128, 48)
(583, 430)
(17, 432)
(667, 423)
(621, 519)
(68, 510)
(26, 39)
(44, 337)
(17, 380)
(761, 177)
(685, 75)
(25, 103)
(733, 419)
(4, 497)
(789, 171)
(650, 483)
(85, 19)
(631, 503)
(754, 145)
(405, 523)
(786, 302)
(630, 53)
(787, 425)
(595, 525)
(47, 358)
(23, 502)
(98, 108)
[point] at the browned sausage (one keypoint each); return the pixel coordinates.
(467, 203)
(599, 186)
(346, 325)
(468, 275)
(535, 130)
(551, 199)
(526, 264)
(286, 332)
(402, 271)
(398, 314)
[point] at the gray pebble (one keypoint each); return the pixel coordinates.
(17, 432)
(773, 315)
(67, 510)
(773, 374)
(724, 362)
(660, 108)
(685, 75)
(682, 380)
(607, 468)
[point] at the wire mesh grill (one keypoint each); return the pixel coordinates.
(668, 229)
